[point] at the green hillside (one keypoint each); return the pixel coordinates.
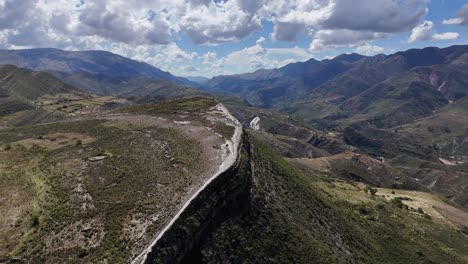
(276, 213)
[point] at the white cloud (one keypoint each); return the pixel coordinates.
(445, 36)
(286, 31)
(330, 39)
(212, 65)
(122, 25)
(425, 32)
(218, 23)
(378, 16)
(250, 6)
(258, 57)
(359, 16)
(13, 13)
(369, 50)
(204, 21)
(249, 59)
(461, 18)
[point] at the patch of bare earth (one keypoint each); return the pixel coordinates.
(14, 206)
(430, 204)
(81, 234)
(322, 163)
(56, 140)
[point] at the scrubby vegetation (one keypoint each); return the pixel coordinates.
(193, 110)
(62, 207)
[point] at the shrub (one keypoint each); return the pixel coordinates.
(398, 202)
(420, 210)
(363, 210)
(370, 190)
(380, 206)
(7, 147)
(35, 220)
(465, 230)
(79, 142)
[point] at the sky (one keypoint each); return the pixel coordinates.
(218, 37)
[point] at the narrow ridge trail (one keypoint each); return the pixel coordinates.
(229, 157)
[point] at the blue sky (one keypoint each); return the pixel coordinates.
(207, 38)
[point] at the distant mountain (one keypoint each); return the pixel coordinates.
(197, 79)
(397, 100)
(277, 87)
(92, 71)
(373, 70)
(144, 89)
(402, 86)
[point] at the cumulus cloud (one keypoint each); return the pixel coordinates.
(13, 13)
(208, 21)
(286, 31)
(250, 6)
(258, 56)
(328, 39)
(369, 50)
(136, 22)
(214, 64)
(425, 32)
(461, 18)
(253, 56)
(196, 3)
(250, 58)
(219, 23)
(327, 16)
(378, 16)
(118, 23)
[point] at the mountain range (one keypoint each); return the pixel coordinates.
(418, 80)
(355, 159)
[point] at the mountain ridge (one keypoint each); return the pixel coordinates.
(101, 68)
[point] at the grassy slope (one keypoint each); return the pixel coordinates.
(397, 100)
(24, 92)
(446, 130)
(25, 85)
(292, 219)
(63, 194)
